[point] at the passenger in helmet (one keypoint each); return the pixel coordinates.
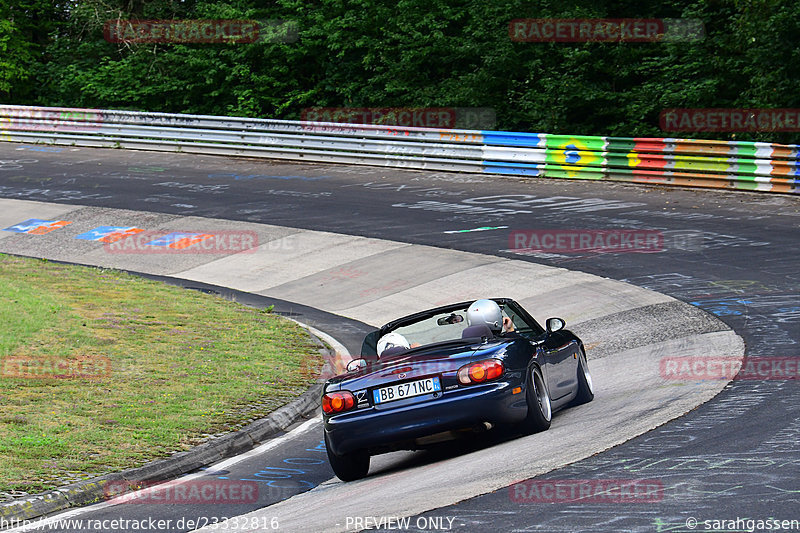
(393, 341)
(488, 312)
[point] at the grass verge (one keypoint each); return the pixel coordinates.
(102, 371)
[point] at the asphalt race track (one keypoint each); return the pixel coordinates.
(733, 255)
(375, 280)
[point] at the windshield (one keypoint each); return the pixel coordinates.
(447, 325)
(441, 327)
(438, 328)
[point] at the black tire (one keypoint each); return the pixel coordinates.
(350, 466)
(540, 410)
(585, 385)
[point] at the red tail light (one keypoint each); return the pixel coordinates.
(336, 402)
(480, 371)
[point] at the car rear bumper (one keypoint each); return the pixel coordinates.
(374, 428)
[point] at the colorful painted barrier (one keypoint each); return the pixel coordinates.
(666, 161)
(737, 165)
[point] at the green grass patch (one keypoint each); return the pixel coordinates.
(102, 371)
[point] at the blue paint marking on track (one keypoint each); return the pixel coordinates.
(278, 477)
(103, 231)
(303, 461)
(41, 149)
(723, 306)
(29, 225)
(37, 226)
(172, 238)
(285, 476)
(320, 447)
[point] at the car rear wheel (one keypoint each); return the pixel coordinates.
(350, 466)
(585, 384)
(540, 410)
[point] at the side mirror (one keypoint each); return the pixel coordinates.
(452, 319)
(555, 324)
(356, 364)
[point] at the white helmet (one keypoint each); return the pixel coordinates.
(392, 340)
(485, 312)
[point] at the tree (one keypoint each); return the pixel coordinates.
(411, 53)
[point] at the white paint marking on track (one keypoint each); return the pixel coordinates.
(482, 228)
(272, 443)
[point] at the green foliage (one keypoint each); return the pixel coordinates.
(420, 53)
(26, 28)
(98, 374)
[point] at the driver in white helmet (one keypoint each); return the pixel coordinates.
(488, 312)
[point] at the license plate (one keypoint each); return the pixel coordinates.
(406, 390)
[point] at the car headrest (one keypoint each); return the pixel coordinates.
(478, 330)
(394, 350)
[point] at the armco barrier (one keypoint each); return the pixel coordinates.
(665, 161)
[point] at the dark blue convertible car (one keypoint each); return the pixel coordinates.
(434, 375)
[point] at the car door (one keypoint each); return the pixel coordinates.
(557, 348)
(528, 328)
(560, 349)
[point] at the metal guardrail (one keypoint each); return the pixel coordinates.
(664, 161)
